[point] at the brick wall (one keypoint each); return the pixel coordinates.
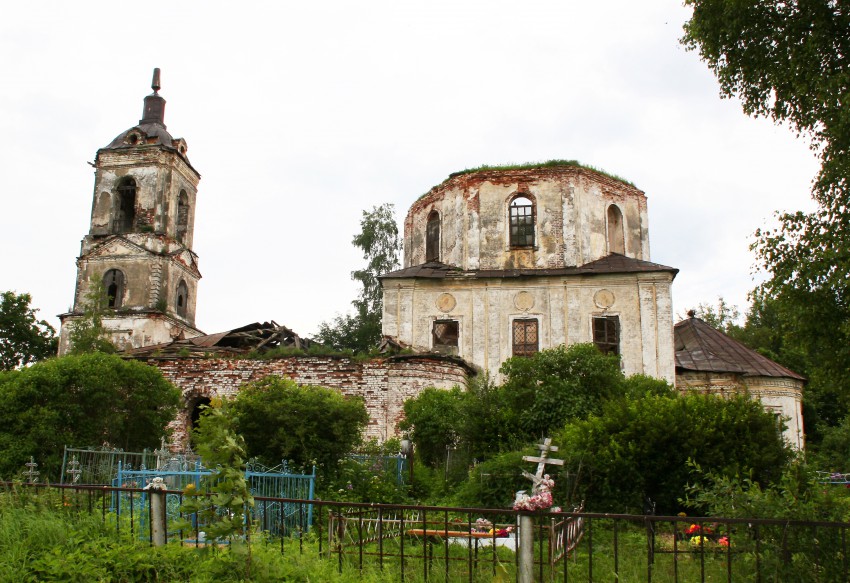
(384, 384)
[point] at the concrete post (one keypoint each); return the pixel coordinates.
(159, 527)
(526, 549)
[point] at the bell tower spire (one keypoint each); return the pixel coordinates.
(139, 244)
(154, 110)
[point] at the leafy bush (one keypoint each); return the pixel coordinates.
(83, 400)
(494, 483)
(281, 420)
(638, 448)
(552, 386)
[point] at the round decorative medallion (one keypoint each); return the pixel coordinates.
(524, 301)
(603, 299)
(446, 302)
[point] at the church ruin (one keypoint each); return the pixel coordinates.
(498, 262)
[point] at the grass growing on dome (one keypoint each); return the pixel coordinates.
(546, 164)
(529, 165)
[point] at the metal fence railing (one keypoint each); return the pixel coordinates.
(472, 544)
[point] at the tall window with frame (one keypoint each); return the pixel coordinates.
(432, 237)
(521, 222)
(606, 334)
(526, 337)
(445, 335)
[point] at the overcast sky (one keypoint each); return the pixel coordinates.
(299, 115)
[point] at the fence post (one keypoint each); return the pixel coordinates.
(526, 548)
(157, 489)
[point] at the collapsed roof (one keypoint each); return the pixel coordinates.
(253, 337)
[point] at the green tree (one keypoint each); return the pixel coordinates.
(84, 400)
(87, 333)
(300, 424)
(378, 239)
(23, 338)
(638, 448)
(723, 316)
(787, 61)
(434, 418)
(552, 386)
(222, 450)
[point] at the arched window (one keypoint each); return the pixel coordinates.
(124, 218)
(432, 237)
(182, 215)
(616, 238)
(182, 298)
(521, 222)
(113, 284)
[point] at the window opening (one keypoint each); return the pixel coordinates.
(182, 215)
(606, 334)
(445, 336)
(525, 337)
(113, 283)
(125, 212)
(521, 217)
(432, 237)
(616, 237)
(182, 298)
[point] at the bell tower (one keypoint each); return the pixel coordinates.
(139, 243)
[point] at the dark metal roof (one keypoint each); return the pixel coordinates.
(701, 348)
(613, 263)
(151, 134)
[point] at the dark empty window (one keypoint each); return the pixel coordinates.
(432, 237)
(616, 237)
(521, 217)
(113, 284)
(125, 206)
(182, 298)
(446, 333)
(182, 215)
(606, 334)
(525, 337)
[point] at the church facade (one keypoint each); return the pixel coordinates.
(501, 262)
(139, 244)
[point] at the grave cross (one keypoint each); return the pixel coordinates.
(31, 473)
(541, 460)
(74, 470)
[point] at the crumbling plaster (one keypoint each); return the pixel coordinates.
(571, 204)
(564, 307)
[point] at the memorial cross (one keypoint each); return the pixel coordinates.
(74, 470)
(31, 473)
(541, 461)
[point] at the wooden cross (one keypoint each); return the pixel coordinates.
(541, 461)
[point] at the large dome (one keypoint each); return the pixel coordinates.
(545, 216)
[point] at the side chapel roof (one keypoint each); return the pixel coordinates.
(701, 348)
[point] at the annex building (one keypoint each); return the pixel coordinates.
(498, 262)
